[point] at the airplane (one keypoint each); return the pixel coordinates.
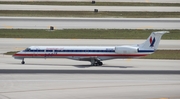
(93, 54)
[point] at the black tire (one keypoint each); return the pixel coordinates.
(23, 62)
(100, 63)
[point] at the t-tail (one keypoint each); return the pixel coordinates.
(153, 40)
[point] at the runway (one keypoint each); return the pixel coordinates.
(146, 1)
(88, 8)
(24, 71)
(63, 78)
(88, 23)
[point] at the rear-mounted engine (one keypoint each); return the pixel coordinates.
(126, 49)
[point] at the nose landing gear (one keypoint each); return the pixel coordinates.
(23, 62)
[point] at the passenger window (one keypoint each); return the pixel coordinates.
(49, 50)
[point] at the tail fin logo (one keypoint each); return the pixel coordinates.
(152, 41)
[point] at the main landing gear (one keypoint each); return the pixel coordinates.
(95, 62)
(23, 62)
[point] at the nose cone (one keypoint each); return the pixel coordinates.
(14, 55)
(18, 55)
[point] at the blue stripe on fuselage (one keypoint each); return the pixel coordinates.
(141, 51)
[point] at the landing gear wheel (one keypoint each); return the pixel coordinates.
(23, 62)
(100, 63)
(95, 62)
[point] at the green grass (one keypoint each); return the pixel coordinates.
(91, 14)
(10, 53)
(159, 54)
(164, 54)
(84, 33)
(90, 4)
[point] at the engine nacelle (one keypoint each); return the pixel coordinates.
(126, 49)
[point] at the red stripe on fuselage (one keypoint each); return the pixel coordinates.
(33, 55)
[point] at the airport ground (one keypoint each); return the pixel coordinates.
(88, 23)
(64, 78)
(146, 1)
(88, 8)
(89, 3)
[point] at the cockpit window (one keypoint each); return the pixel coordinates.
(27, 50)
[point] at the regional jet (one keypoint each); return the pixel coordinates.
(94, 54)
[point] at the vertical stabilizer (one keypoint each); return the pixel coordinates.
(153, 41)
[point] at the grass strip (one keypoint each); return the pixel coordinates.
(99, 14)
(85, 34)
(89, 3)
(159, 54)
(164, 54)
(10, 53)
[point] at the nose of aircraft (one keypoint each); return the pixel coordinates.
(16, 55)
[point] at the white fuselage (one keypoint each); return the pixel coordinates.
(94, 54)
(81, 52)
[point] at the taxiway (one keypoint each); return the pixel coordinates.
(63, 78)
(88, 8)
(88, 23)
(146, 1)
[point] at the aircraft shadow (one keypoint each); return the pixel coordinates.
(119, 66)
(41, 64)
(104, 66)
